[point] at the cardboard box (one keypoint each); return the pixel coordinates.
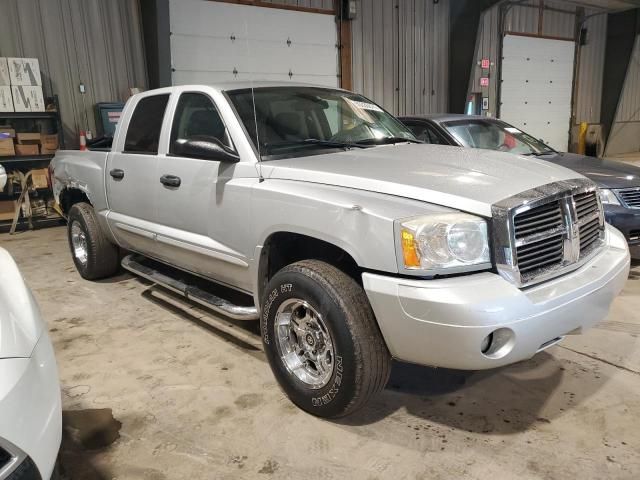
(28, 138)
(9, 130)
(6, 147)
(49, 142)
(23, 150)
(24, 71)
(40, 178)
(4, 72)
(7, 209)
(28, 99)
(6, 100)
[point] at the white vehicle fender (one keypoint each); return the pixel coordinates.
(20, 322)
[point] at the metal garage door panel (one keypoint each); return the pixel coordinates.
(213, 42)
(200, 17)
(234, 55)
(211, 78)
(536, 88)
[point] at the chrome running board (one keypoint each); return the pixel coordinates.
(136, 265)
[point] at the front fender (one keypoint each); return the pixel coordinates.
(357, 221)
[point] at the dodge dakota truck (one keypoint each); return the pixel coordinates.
(319, 214)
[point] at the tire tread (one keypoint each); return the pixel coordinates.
(103, 256)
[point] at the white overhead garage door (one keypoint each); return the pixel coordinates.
(535, 94)
(218, 42)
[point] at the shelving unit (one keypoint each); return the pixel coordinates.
(28, 121)
(26, 162)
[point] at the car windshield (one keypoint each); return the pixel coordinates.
(495, 135)
(294, 121)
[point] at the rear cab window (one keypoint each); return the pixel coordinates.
(145, 126)
(425, 132)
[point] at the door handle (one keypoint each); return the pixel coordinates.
(170, 181)
(117, 174)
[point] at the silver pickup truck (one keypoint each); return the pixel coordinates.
(321, 215)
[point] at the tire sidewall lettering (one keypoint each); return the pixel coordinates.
(265, 314)
(272, 296)
(328, 397)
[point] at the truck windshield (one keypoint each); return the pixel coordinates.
(495, 135)
(294, 121)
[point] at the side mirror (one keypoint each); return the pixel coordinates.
(208, 148)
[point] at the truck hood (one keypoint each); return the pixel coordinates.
(20, 322)
(606, 173)
(470, 180)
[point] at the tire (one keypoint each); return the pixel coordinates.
(359, 360)
(100, 259)
(57, 471)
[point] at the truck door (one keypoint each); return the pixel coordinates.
(200, 210)
(131, 175)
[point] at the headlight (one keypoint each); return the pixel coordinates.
(608, 197)
(443, 241)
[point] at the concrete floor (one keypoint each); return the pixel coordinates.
(193, 402)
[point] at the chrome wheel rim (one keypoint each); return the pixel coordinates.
(79, 243)
(304, 343)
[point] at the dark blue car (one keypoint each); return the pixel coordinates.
(619, 182)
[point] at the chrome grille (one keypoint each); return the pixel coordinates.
(537, 220)
(630, 197)
(539, 237)
(547, 231)
(588, 214)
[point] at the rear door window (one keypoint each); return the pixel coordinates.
(143, 134)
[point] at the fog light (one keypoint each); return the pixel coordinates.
(498, 343)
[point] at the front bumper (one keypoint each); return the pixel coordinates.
(627, 220)
(30, 410)
(443, 322)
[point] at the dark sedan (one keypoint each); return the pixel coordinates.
(619, 182)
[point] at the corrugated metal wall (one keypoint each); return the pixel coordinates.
(625, 131)
(588, 99)
(558, 20)
(400, 54)
(487, 46)
(95, 42)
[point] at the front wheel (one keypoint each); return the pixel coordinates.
(94, 255)
(322, 340)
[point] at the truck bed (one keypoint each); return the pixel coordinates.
(83, 170)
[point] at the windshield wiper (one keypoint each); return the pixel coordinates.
(311, 142)
(387, 141)
(544, 152)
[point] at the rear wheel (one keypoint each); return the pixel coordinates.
(94, 255)
(322, 339)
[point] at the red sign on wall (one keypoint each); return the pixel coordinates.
(485, 63)
(484, 81)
